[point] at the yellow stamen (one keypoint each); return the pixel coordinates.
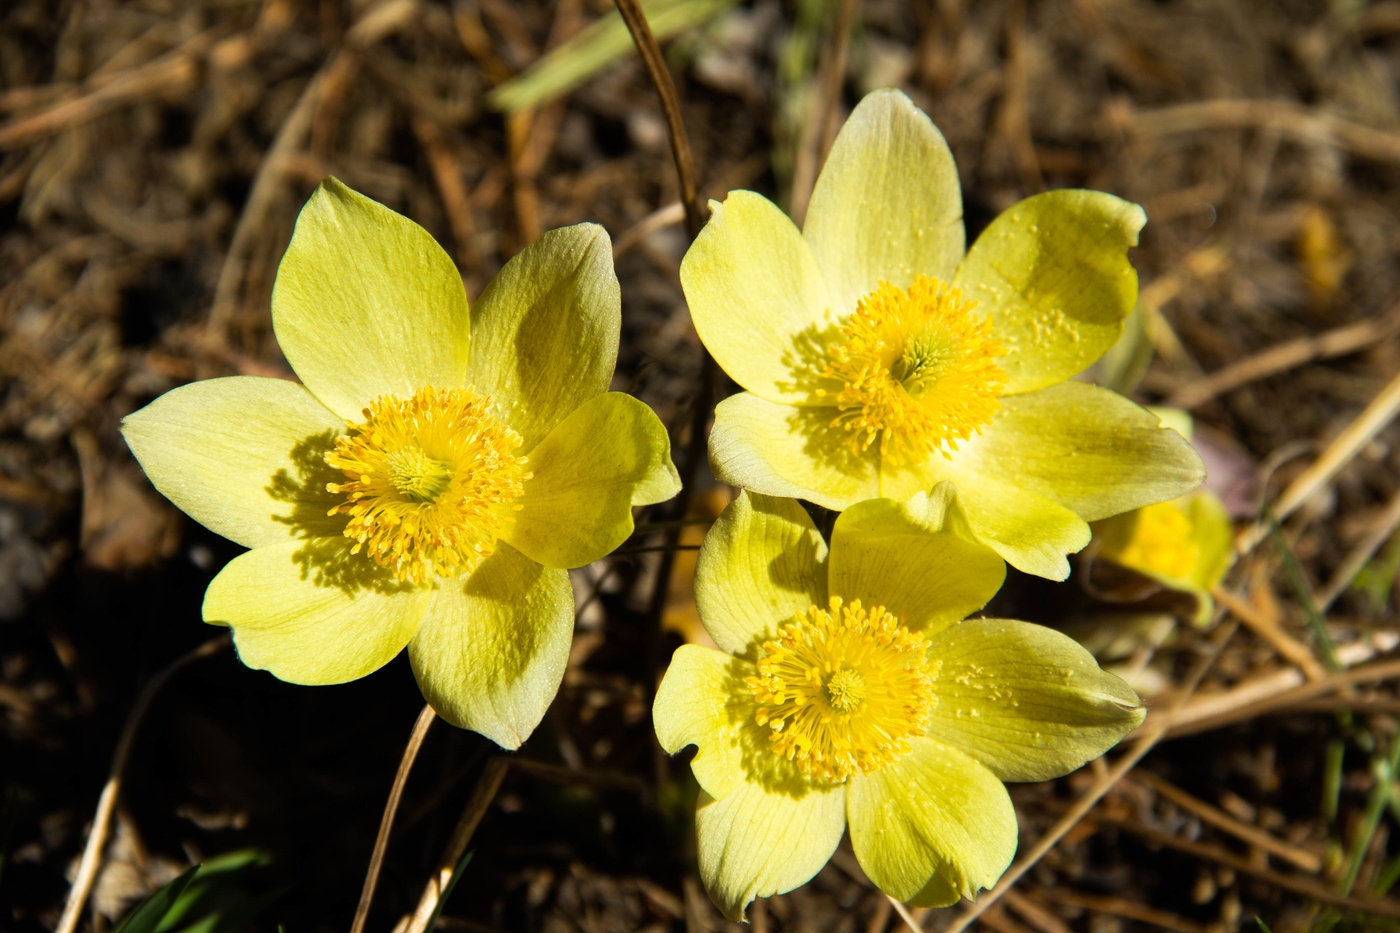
(918, 371)
(431, 480)
(843, 690)
(1160, 541)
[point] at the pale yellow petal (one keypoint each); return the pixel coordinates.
(310, 612)
(906, 557)
(888, 204)
(1087, 448)
(932, 827)
(1054, 275)
(493, 646)
(703, 701)
(545, 330)
(366, 302)
(763, 561)
(760, 840)
(757, 299)
(783, 450)
(1026, 701)
(241, 456)
(608, 455)
(1030, 532)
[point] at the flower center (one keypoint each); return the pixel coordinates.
(918, 371)
(1160, 541)
(431, 481)
(843, 690)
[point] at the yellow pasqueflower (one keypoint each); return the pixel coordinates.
(432, 475)
(848, 694)
(879, 360)
(1186, 544)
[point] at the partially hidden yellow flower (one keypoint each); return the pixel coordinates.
(848, 693)
(879, 360)
(1186, 544)
(432, 475)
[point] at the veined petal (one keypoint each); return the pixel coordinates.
(906, 557)
(757, 299)
(762, 562)
(241, 456)
(612, 453)
(783, 450)
(765, 839)
(310, 612)
(545, 330)
(932, 827)
(1026, 701)
(493, 646)
(1053, 273)
(366, 302)
(888, 204)
(1030, 532)
(1087, 448)
(703, 701)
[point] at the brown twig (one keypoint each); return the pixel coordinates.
(636, 22)
(106, 804)
(1122, 907)
(1309, 862)
(1381, 529)
(482, 795)
(1306, 887)
(1285, 356)
(447, 173)
(1338, 454)
(175, 71)
(1286, 117)
(391, 807)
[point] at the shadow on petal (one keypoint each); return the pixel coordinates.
(325, 559)
(760, 764)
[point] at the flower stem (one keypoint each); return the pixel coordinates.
(391, 807)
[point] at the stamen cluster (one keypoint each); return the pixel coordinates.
(918, 371)
(843, 690)
(432, 479)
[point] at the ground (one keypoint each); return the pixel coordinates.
(153, 157)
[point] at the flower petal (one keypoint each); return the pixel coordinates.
(888, 205)
(241, 456)
(907, 557)
(1030, 532)
(761, 564)
(492, 649)
(612, 453)
(310, 612)
(932, 827)
(1026, 701)
(545, 330)
(699, 703)
(1053, 272)
(1087, 448)
(783, 450)
(763, 839)
(366, 302)
(757, 299)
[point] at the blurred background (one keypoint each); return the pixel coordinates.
(153, 157)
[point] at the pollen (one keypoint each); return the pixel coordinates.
(843, 690)
(917, 372)
(1160, 542)
(431, 480)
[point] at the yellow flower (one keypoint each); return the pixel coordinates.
(433, 474)
(849, 694)
(879, 360)
(1186, 544)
